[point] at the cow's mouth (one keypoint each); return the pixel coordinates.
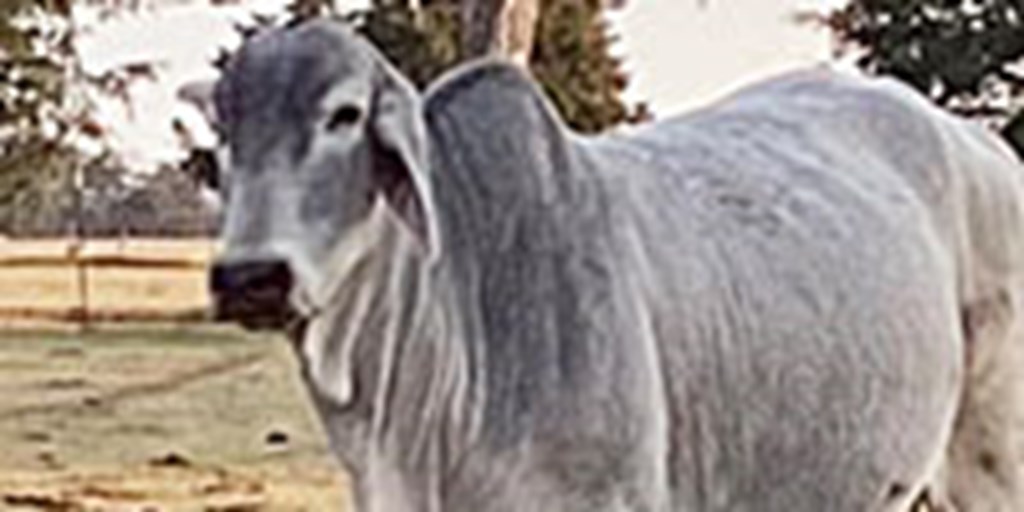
(263, 314)
(255, 295)
(257, 312)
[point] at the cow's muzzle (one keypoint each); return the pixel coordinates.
(256, 294)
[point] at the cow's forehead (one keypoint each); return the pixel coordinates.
(287, 71)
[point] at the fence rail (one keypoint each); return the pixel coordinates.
(134, 280)
(99, 262)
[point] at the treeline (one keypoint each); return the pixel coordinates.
(51, 186)
(112, 203)
(965, 55)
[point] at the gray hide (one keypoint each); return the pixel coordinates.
(801, 299)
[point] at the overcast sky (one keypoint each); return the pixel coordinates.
(680, 54)
(683, 54)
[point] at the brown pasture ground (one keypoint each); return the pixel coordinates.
(169, 418)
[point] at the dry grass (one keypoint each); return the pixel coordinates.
(183, 419)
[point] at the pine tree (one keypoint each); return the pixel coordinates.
(46, 112)
(32, 86)
(573, 63)
(963, 54)
(422, 43)
(570, 57)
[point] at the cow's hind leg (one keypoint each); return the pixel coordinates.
(984, 460)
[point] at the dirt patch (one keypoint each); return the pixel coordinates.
(203, 488)
(158, 420)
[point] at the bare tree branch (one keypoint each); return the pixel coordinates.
(502, 28)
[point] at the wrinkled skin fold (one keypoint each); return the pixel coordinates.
(804, 298)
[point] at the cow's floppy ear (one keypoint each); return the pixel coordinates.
(400, 156)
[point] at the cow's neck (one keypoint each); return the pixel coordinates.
(385, 370)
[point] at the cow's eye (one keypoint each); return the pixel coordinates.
(345, 115)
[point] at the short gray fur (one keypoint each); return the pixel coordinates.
(803, 298)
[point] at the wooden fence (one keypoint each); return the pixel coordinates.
(104, 280)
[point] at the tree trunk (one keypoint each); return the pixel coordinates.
(502, 28)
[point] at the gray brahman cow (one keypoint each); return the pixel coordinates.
(802, 299)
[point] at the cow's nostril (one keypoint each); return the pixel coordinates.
(220, 279)
(252, 291)
(247, 278)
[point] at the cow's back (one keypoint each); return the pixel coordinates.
(739, 310)
(798, 247)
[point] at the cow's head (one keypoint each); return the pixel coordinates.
(322, 138)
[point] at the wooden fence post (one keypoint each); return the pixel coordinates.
(78, 244)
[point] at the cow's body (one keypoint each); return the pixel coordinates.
(788, 302)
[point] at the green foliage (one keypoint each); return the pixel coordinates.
(30, 80)
(35, 194)
(964, 54)
(571, 56)
(948, 49)
(422, 44)
(163, 204)
(33, 159)
(572, 61)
